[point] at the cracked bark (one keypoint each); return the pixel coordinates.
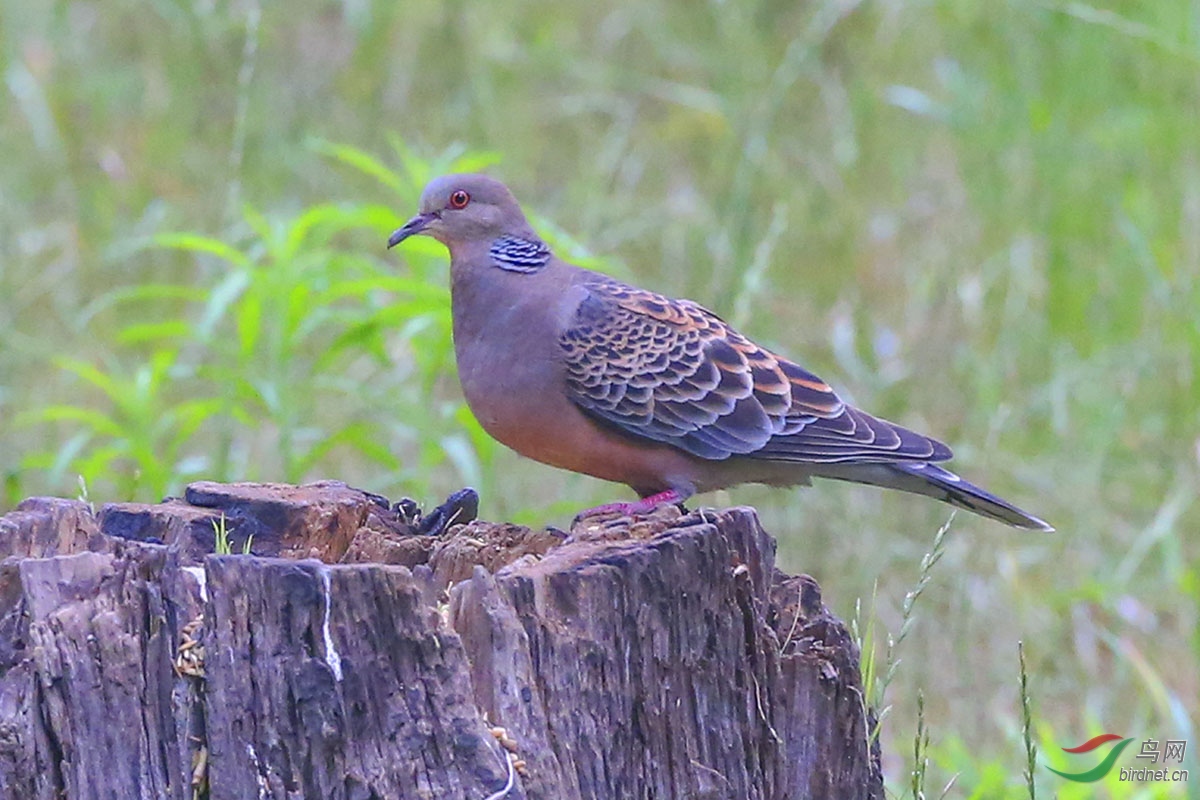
(664, 657)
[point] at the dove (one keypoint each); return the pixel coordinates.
(578, 370)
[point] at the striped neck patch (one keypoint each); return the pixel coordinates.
(519, 255)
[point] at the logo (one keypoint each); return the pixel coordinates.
(1100, 770)
(1172, 750)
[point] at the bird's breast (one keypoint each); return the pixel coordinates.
(507, 360)
(510, 364)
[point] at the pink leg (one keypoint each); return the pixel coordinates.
(643, 506)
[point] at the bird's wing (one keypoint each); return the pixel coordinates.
(671, 371)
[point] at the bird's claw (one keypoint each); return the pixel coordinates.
(637, 508)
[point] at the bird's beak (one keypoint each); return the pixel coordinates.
(411, 228)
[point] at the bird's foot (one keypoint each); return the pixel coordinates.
(636, 508)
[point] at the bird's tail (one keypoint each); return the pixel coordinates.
(942, 484)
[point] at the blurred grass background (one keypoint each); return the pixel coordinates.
(978, 219)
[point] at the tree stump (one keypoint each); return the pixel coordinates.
(358, 654)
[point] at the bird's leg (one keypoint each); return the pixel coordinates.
(643, 506)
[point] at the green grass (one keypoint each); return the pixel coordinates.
(979, 219)
(222, 546)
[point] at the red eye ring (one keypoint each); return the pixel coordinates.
(459, 199)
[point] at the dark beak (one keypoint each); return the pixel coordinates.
(411, 228)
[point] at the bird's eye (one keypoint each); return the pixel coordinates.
(459, 199)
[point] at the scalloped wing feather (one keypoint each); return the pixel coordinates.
(671, 371)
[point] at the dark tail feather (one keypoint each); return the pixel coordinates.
(948, 487)
(933, 481)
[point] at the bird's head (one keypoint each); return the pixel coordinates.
(459, 209)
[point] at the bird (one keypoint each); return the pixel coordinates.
(578, 370)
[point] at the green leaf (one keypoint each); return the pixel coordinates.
(316, 225)
(154, 332)
(191, 414)
(138, 294)
(222, 296)
(97, 421)
(360, 436)
(195, 243)
(92, 375)
(262, 229)
(361, 161)
(464, 458)
(299, 309)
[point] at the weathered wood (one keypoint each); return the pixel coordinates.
(373, 700)
(47, 526)
(664, 657)
(646, 668)
(89, 704)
